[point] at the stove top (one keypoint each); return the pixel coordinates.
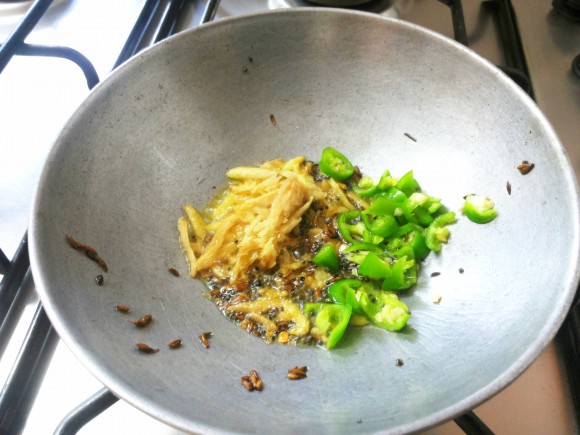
(38, 94)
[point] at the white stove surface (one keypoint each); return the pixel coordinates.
(38, 95)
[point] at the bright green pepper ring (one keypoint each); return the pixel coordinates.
(479, 209)
(335, 164)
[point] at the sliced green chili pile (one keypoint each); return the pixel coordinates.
(382, 247)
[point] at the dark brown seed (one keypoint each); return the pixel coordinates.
(273, 119)
(99, 280)
(245, 69)
(508, 186)
(399, 362)
(250, 59)
(173, 271)
(410, 137)
(175, 344)
(203, 338)
(434, 274)
(145, 348)
(88, 251)
(122, 308)
(143, 321)
(526, 167)
(461, 270)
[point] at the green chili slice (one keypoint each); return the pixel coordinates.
(335, 164)
(479, 209)
(407, 184)
(350, 226)
(327, 257)
(345, 292)
(385, 310)
(437, 233)
(365, 188)
(329, 321)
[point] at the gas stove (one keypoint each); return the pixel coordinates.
(528, 39)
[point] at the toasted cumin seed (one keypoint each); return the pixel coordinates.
(297, 373)
(508, 186)
(203, 338)
(252, 381)
(122, 308)
(173, 271)
(175, 344)
(273, 119)
(145, 348)
(247, 384)
(143, 321)
(297, 369)
(89, 251)
(525, 167)
(294, 376)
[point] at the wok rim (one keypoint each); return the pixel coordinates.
(161, 412)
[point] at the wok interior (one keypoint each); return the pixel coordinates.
(164, 129)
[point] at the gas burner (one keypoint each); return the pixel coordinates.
(568, 8)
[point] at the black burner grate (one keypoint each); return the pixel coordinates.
(157, 21)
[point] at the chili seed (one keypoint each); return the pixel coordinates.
(143, 321)
(99, 280)
(175, 344)
(145, 348)
(122, 308)
(173, 271)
